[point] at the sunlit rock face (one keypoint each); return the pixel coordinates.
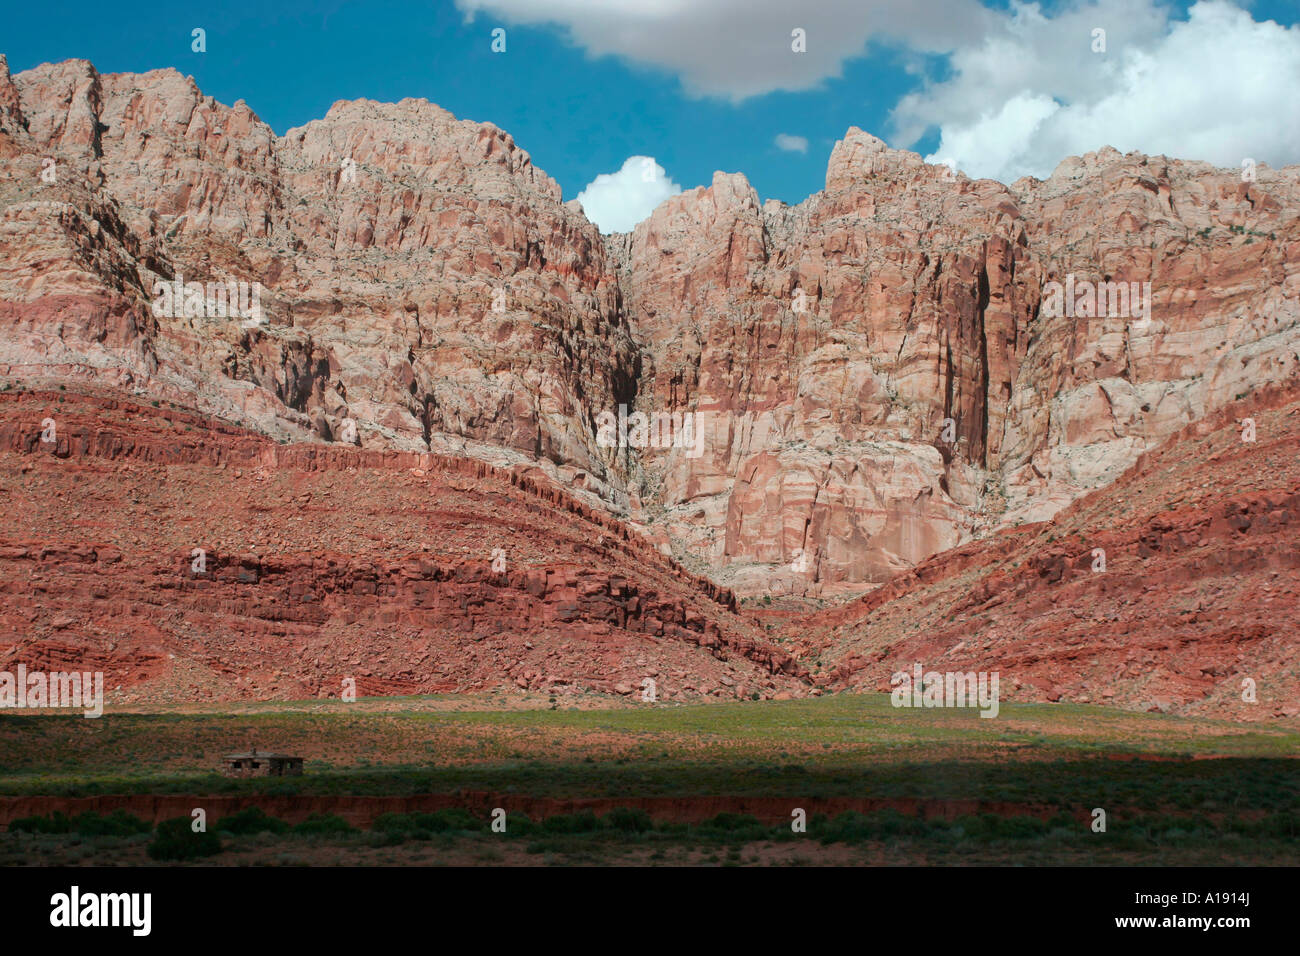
(873, 373)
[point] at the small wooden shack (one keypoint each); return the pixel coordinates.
(257, 763)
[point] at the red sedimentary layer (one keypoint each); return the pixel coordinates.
(447, 305)
(1197, 594)
(313, 572)
(875, 377)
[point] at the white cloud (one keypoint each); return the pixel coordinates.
(791, 144)
(1217, 86)
(740, 48)
(616, 202)
(1023, 88)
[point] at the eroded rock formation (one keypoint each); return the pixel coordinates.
(190, 560)
(873, 368)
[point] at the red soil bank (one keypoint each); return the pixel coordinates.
(323, 563)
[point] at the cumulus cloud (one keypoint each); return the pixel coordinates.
(734, 49)
(1021, 89)
(616, 202)
(1217, 86)
(791, 144)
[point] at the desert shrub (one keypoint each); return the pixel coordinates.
(418, 824)
(117, 823)
(1285, 825)
(575, 847)
(518, 823)
(251, 820)
(401, 822)
(323, 824)
(732, 821)
(735, 827)
(56, 822)
(584, 822)
(176, 840)
(383, 838)
(628, 820)
(458, 818)
(854, 827)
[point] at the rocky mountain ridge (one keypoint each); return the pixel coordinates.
(873, 370)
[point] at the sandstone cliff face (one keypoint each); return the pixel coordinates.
(829, 341)
(1172, 589)
(433, 289)
(922, 301)
(873, 370)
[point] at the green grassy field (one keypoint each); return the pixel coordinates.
(836, 746)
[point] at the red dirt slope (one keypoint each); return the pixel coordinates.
(1200, 590)
(326, 562)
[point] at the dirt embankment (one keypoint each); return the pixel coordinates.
(190, 560)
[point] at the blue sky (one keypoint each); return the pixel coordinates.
(582, 111)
